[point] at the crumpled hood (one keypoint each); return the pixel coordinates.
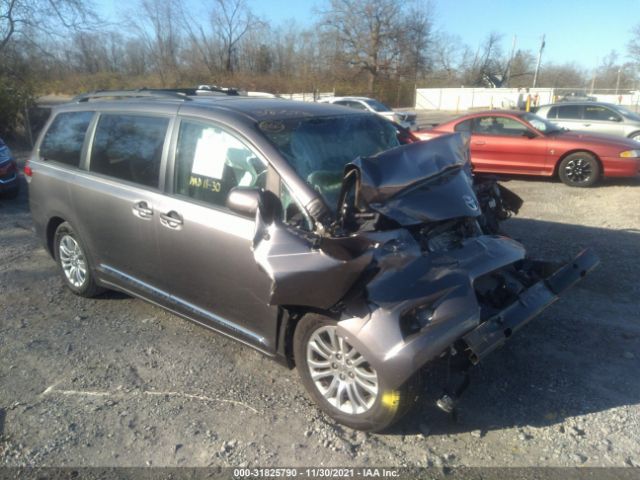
(417, 183)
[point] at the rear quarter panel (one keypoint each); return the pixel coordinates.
(50, 196)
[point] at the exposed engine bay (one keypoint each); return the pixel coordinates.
(414, 265)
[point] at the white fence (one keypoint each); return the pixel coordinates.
(628, 99)
(307, 97)
(462, 99)
(458, 99)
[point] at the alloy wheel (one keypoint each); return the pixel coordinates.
(73, 261)
(340, 373)
(578, 170)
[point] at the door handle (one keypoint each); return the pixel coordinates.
(171, 220)
(142, 210)
(479, 142)
(586, 124)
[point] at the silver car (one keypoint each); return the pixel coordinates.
(594, 117)
(404, 119)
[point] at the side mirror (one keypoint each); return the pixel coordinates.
(529, 134)
(615, 119)
(244, 201)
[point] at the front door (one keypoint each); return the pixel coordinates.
(601, 119)
(205, 248)
(505, 145)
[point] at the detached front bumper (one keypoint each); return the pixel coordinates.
(456, 309)
(496, 330)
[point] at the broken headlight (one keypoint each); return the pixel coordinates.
(416, 319)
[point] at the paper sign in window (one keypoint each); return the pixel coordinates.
(210, 155)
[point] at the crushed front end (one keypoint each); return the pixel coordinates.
(414, 267)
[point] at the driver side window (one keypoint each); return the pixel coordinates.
(502, 126)
(597, 112)
(211, 161)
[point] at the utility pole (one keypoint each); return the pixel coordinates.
(505, 81)
(535, 75)
(618, 80)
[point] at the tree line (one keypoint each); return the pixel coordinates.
(380, 48)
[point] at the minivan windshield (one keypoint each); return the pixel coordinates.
(318, 148)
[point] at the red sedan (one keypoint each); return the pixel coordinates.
(523, 143)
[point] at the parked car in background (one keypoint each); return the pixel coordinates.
(9, 182)
(513, 142)
(593, 117)
(577, 96)
(307, 231)
(404, 119)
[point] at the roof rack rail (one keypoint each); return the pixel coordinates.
(178, 93)
(216, 89)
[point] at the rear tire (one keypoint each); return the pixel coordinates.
(70, 255)
(341, 381)
(580, 169)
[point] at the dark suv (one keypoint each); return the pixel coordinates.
(9, 181)
(327, 238)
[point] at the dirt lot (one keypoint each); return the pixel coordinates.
(117, 382)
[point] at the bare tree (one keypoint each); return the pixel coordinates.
(161, 35)
(564, 75)
(487, 65)
(368, 31)
(232, 20)
(634, 44)
(416, 38)
(217, 40)
(448, 54)
(204, 45)
(613, 74)
(520, 69)
(48, 17)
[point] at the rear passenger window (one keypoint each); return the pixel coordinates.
(570, 111)
(210, 162)
(129, 147)
(63, 141)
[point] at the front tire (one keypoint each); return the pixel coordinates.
(70, 254)
(341, 380)
(635, 136)
(580, 169)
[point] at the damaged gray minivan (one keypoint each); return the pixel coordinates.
(322, 236)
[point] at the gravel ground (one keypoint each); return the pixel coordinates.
(115, 381)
